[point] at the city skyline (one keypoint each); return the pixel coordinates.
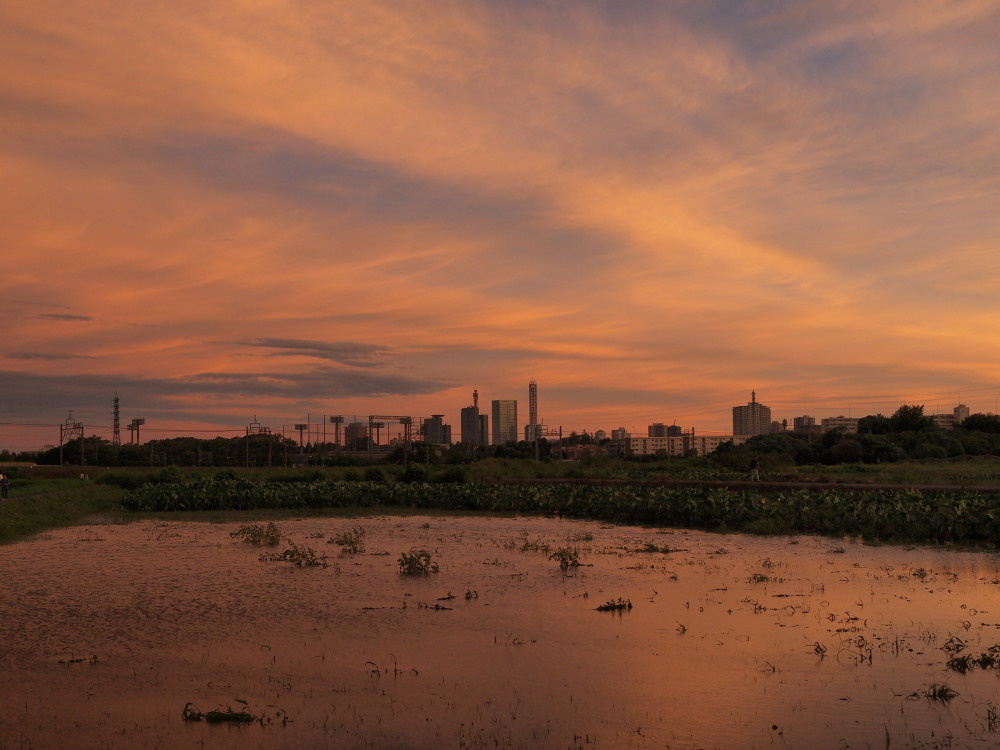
(754, 419)
(278, 209)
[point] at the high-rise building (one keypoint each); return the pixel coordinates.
(752, 419)
(436, 431)
(532, 430)
(470, 426)
(504, 421)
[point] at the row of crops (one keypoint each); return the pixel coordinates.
(964, 517)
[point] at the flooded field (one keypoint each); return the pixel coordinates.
(111, 632)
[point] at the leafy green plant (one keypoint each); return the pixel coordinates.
(259, 535)
(417, 562)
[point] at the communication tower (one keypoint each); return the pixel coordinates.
(116, 432)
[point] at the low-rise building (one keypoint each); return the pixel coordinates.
(676, 445)
(848, 424)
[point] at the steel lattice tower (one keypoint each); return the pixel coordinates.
(116, 433)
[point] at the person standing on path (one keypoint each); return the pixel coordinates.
(4, 485)
(755, 469)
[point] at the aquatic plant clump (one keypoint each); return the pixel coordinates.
(217, 716)
(301, 556)
(417, 562)
(352, 541)
(615, 605)
(567, 557)
(259, 535)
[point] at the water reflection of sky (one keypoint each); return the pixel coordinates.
(732, 641)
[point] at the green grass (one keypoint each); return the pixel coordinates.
(36, 505)
(976, 471)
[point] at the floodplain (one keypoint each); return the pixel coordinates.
(476, 631)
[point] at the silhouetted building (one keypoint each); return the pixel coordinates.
(806, 425)
(847, 424)
(355, 431)
(475, 427)
(532, 430)
(752, 419)
(685, 444)
(961, 414)
(659, 429)
(436, 431)
(470, 426)
(504, 421)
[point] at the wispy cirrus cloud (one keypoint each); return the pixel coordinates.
(342, 352)
(64, 316)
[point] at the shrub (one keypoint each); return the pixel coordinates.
(227, 475)
(455, 474)
(413, 473)
(171, 475)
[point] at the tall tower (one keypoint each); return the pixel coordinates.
(116, 431)
(531, 429)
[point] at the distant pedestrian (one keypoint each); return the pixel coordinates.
(755, 469)
(4, 486)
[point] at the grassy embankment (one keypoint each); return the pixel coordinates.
(50, 497)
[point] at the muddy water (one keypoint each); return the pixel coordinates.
(109, 631)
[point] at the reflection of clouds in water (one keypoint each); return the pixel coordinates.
(177, 612)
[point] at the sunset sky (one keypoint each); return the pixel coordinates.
(276, 208)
